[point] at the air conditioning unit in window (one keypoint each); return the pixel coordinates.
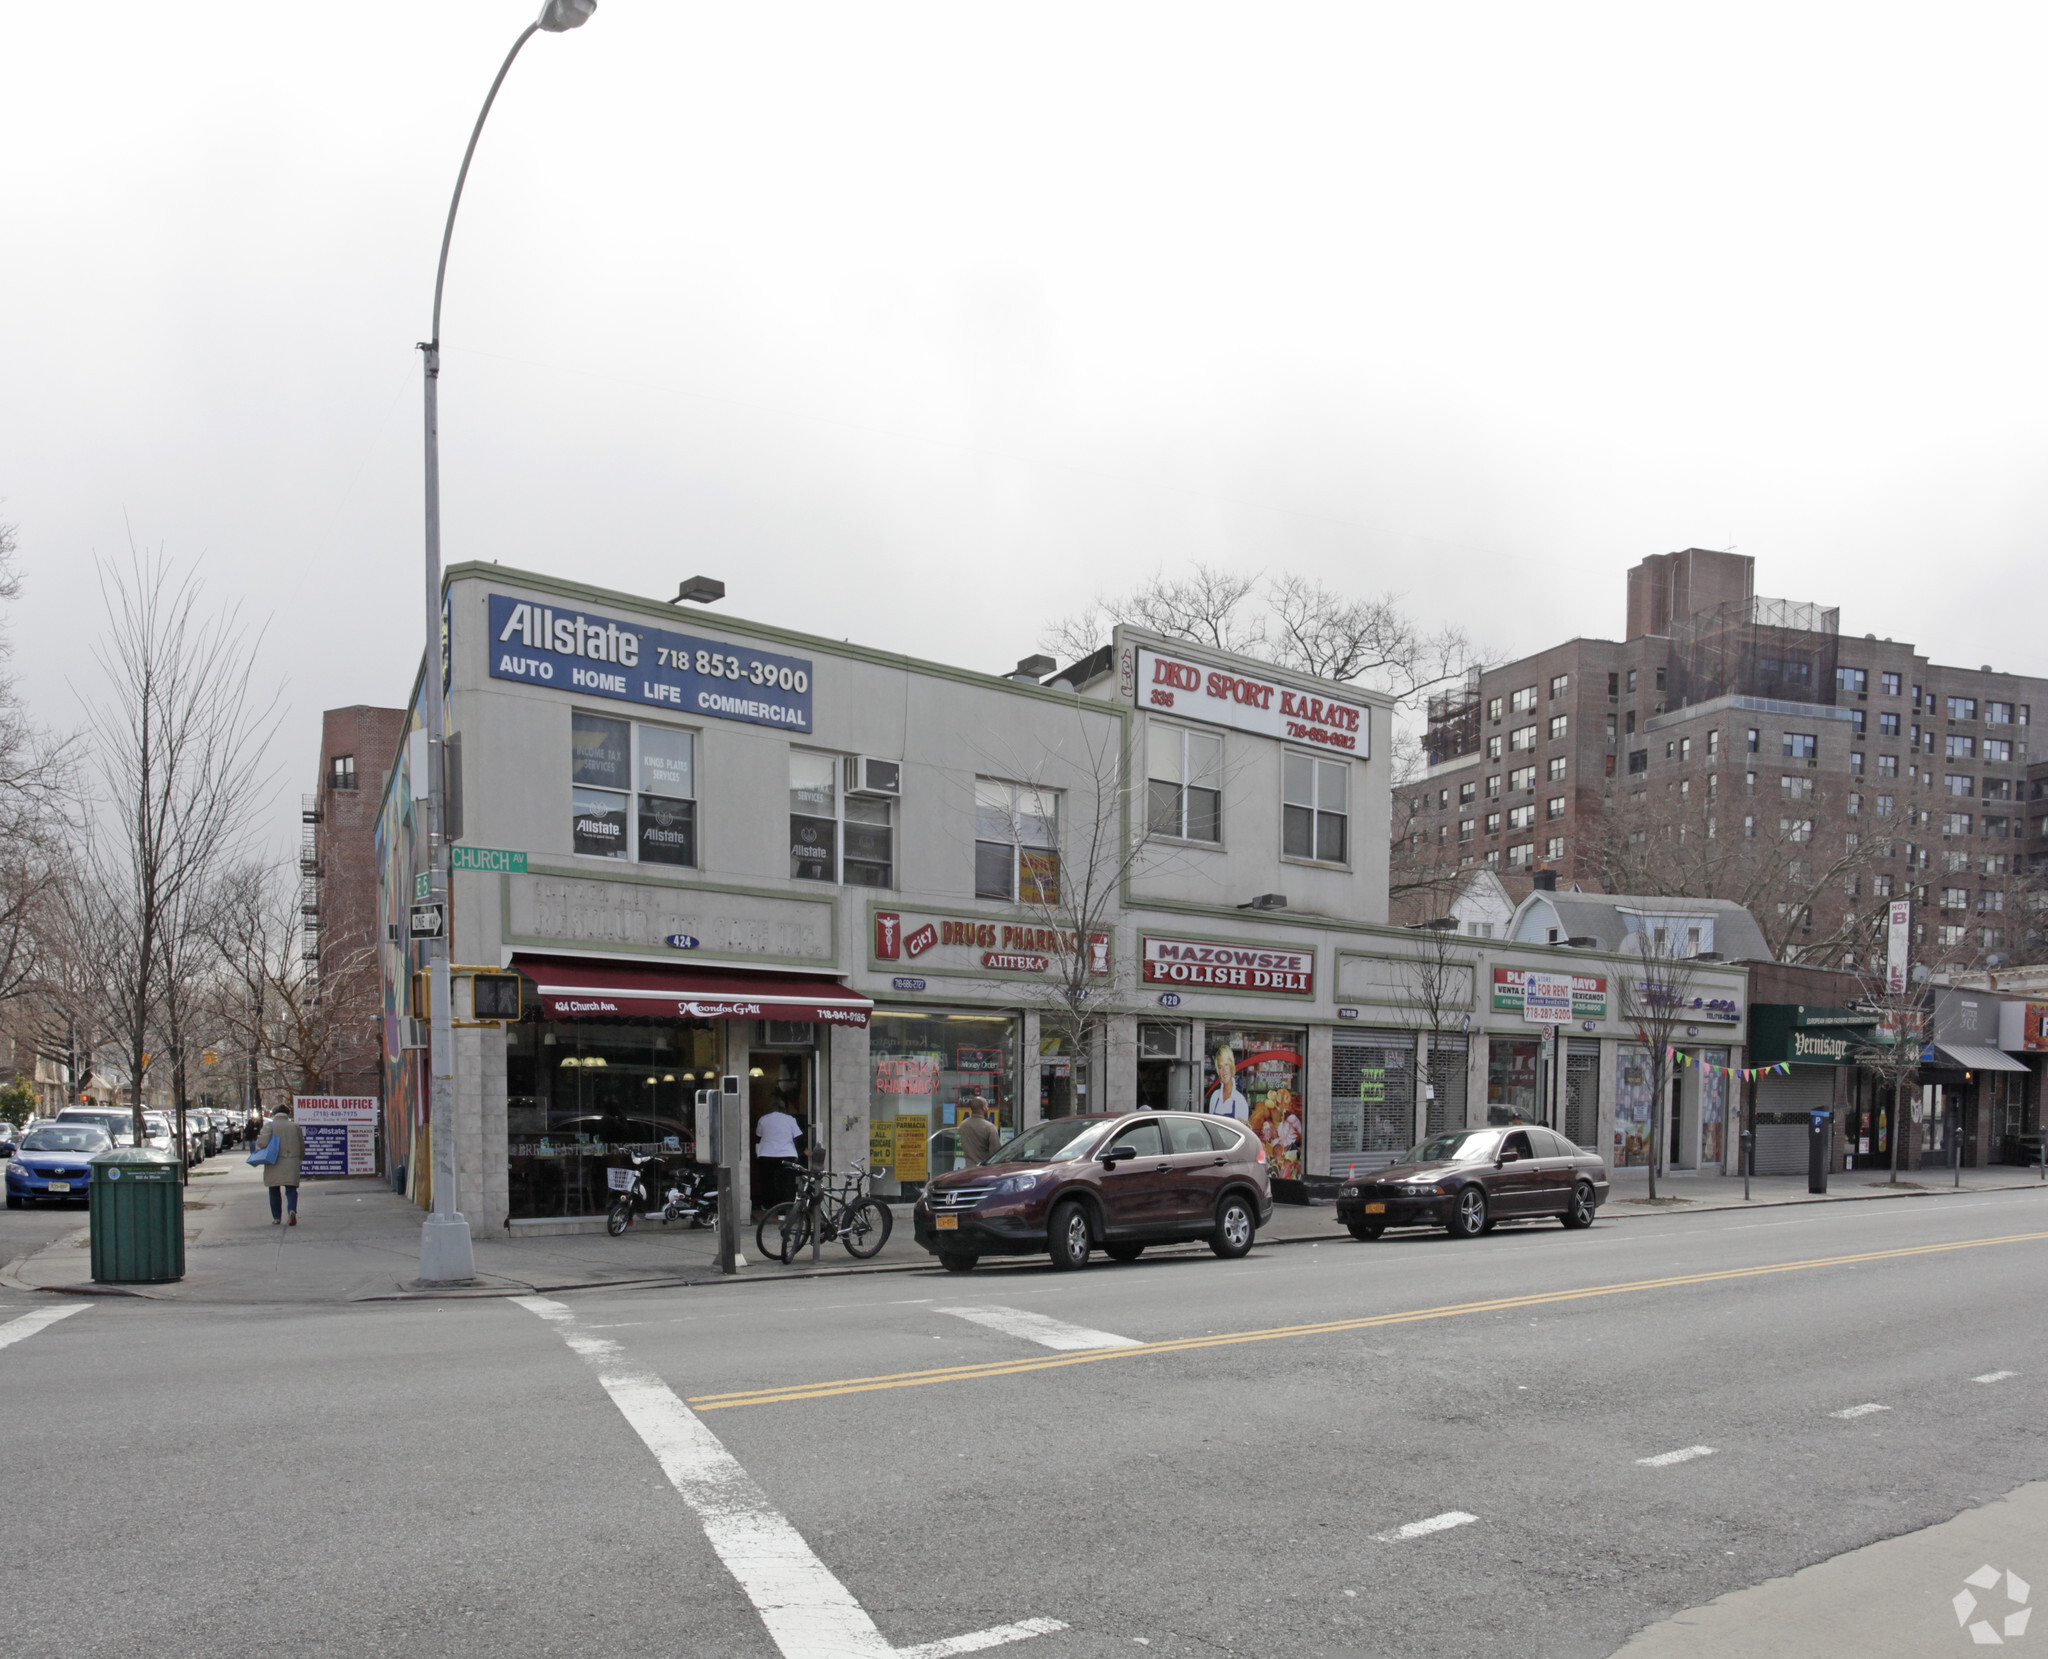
(866, 775)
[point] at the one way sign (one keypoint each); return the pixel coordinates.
(429, 921)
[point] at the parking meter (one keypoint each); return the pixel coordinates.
(704, 1127)
(1820, 1126)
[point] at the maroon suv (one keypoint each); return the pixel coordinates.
(1119, 1182)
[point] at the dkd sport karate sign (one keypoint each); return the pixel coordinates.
(1223, 697)
(1202, 963)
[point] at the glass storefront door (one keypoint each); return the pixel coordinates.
(925, 1066)
(1166, 1075)
(1511, 1080)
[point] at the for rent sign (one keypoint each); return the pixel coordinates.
(1206, 964)
(1226, 697)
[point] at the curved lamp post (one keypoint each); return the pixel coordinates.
(445, 1254)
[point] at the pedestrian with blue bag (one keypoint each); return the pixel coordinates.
(280, 1155)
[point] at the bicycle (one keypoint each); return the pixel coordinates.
(844, 1211)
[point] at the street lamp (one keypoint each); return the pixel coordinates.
(445, 1254)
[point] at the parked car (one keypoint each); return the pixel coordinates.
(50, 1164)
(117, 1121)
(1467, 1179)
(1118, 1182)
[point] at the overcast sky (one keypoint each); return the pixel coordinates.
(919, 324)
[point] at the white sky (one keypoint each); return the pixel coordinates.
(918, 324)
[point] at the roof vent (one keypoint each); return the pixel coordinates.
(1032, 669)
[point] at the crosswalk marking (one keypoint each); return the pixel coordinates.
(1859, 1411)
(1036, 1327)
(1995, 1376)
(18, 1330)
(1664, 1460)
(807, 1611)
(1422, 1529)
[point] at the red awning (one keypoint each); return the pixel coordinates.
(584, 990)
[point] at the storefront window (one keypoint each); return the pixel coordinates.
(925, 1066)
(1062, 1076)
(1254, 1075)
(1372, 1100)
(579, 1097)
(1511, 1080)
(1633, 1086)
(1713, 1104)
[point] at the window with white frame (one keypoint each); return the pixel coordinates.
(1554, 807)
(632, 790)
(1559, 724)
(835, 834)
(1521, 855)
(1558, 764)
(1522, 737)
(1016, 842)
(1522, 777)
(1316, 808)
(1184, 783)
(1523, 700)
(1553, 849)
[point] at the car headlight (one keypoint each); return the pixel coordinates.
(1348, 1192)
(1418, 1192)
(1016, 1183)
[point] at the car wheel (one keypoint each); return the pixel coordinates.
(1068, 1237)
(1123, 1252)
(1469, 1213)
(1579, 1213)
(1236, 1226)
(955, 1261)
(13, 1203)
(1366, 1231)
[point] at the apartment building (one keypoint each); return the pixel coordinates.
(1726, 716)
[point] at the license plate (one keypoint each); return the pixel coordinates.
(1375, 1209)
(946, 1223)
(59, 1186)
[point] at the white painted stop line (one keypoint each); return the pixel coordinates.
(1859, 1411)
(1664, 1460)
(807, 1611)
(1036, 1327)
(19, 1330)
(1422, 1529)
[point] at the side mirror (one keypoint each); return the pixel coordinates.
(1118, 1154)
(1507, 1158)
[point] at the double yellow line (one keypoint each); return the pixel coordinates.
(1278, 1333)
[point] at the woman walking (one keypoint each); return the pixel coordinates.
(282, 1177)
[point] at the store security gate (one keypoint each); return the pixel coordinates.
(1782, 1103)
(1582, 1092)
(1449, 1058)
(1372, 1100)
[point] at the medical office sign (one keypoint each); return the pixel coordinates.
(1225, 697)
(1205, 964)
(597, 656)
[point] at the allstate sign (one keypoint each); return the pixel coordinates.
(567, 649)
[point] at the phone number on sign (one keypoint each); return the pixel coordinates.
(768, 675)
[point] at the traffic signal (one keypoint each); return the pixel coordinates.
(422, 995)
(496, 996)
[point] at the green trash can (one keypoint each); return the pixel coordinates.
(138, 1217)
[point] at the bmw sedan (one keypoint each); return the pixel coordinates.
(50, 1164)
(1465, 1180)
(1114, 1183)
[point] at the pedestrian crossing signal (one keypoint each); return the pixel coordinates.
(496, 996)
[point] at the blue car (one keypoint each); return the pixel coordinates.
(49, 1164)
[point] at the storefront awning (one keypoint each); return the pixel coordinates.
(1975, 1059)
(641, 990)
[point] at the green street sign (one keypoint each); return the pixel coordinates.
(493, 860)
(422, 887)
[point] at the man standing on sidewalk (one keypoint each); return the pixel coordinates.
(979, 1136)
(284, 1174)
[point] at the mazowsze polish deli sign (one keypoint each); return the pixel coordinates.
(1199, 962)
(1225, 697)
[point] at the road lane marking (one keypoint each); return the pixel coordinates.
(19, 1330)
(1036, 1327)
(1995, 1376)
(808, 1612)
(1004, 1368)
(1664, 1460)
(1422, 1529)
(1865, 1410)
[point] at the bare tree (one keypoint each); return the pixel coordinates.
(1288, 620)
(177, 742)
(1659, 981)
(1436, 996)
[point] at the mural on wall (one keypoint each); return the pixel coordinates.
(1255, 1077)
(1632, 1088)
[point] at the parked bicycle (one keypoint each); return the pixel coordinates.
(689, 1194)
(831, 1208)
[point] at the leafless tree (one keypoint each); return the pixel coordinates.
(177, 741)
(1289, 620)
(1659, 981)
(1436, 997)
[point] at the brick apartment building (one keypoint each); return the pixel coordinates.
(338, 870)
(1724, 714)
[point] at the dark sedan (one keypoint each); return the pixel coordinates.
(50, 1164)
(1123, 1182)
(1467, 1179)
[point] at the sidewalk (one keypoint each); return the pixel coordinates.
(359, 1241)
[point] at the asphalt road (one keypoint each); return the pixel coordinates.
(485, 1477)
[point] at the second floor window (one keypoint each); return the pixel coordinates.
(633, 791)
(1016, 842)
(1317, 810)
(341, 773)
(1184, 783)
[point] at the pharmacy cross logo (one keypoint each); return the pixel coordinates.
(1983, 1632)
